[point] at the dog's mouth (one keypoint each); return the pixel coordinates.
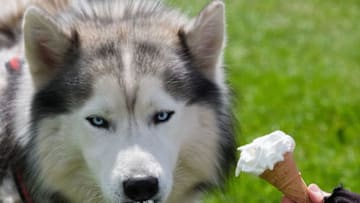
(146, 201)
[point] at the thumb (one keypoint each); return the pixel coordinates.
(316, 194)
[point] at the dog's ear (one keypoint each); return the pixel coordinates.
(46, 45)
(205, 38)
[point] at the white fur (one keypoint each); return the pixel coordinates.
(131, 148)
(89, 164)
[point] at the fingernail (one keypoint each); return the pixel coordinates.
(314, 188)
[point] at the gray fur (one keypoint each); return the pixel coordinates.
(90, 37)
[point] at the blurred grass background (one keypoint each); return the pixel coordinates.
(295, 66)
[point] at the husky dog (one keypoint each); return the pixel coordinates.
(118, 101)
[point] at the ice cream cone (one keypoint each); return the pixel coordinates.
(286, 177)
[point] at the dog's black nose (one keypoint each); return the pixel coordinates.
(141, 189)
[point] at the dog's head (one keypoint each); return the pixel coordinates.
(130, 108)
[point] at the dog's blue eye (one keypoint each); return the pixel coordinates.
(163, 116)
(98, 122)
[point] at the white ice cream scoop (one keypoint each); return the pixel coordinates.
(264, 152)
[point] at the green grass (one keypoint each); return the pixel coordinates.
(295, 66)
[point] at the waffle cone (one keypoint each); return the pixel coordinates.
(286, 177)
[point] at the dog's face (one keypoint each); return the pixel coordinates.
(131, 115)
(131, 141)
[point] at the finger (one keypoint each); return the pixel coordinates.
(316, 194)
(286, 200)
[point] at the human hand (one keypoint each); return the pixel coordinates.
(315, 193)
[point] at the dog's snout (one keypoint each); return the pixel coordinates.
(141, 189)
